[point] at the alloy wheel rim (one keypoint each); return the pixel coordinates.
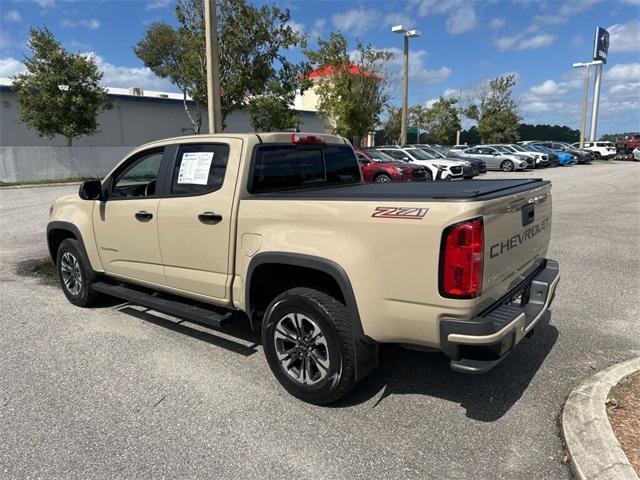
(301, 348)
(382, 179)
(71, 275)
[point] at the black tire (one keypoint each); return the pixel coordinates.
(596, 155)
(427, 175)
(507, 166)
(71, 261)
(307, 306)
(382, 178)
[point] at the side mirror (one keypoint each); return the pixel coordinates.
(91, 190)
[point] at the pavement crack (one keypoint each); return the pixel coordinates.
(160, 401)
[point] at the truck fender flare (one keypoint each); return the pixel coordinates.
(65, 226)
(366, 348)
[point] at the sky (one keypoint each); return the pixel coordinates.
(463, 44)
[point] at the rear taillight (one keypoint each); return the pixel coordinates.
(462, 259)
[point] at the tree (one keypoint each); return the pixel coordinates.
(560, 133)
(392, 127)
(251, 41)
(60, 93)
(495, 111)
(442, 121)
(355, 91)
(272, 111)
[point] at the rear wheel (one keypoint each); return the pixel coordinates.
(75, 273)
(309, 345)
(382, 178)
(507, 166)
(597, 155)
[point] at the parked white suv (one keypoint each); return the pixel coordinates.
(439, 168)
(602, 150)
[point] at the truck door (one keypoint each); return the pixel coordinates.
(195, 217)
(126, 225)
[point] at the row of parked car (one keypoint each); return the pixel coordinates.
(393, 163)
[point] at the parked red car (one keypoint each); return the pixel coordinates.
(379, 167)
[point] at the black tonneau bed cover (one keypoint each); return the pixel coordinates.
(466, 190)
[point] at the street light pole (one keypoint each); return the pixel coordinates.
(214, 110)
(407, 34)
(405, 92)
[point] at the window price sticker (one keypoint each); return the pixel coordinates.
(195, 167)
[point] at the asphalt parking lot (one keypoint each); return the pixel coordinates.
(116, 392)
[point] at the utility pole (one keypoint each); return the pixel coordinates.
(214, 109)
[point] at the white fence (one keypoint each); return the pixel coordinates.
(25, 164)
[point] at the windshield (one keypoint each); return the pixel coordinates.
(434, 153)
(518, 148)
(502, 149)
(419, 154)
(564, 144)
(379, 156)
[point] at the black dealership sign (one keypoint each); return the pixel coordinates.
(601, 45)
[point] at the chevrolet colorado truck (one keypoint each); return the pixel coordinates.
(279, 230)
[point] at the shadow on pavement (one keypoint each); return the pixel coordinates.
(485, 397)
(237, 329)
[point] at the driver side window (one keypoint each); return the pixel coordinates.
(139, 178)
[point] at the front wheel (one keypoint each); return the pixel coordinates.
(309, 346)
(507, 166)
(383, 178)
(75, 273)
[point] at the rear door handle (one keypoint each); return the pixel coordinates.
(144, 216)
(210, 218)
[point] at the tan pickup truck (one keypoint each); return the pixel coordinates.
(278, 229)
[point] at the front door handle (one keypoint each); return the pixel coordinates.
(210, 218)
(144, 216)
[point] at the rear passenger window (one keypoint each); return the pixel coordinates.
(199, 169)
(286, 167)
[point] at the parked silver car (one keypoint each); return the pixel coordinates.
(495, 159)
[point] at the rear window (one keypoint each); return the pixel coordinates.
(288, 167)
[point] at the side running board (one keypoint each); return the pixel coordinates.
(186, 309)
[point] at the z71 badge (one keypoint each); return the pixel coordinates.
(400, 212)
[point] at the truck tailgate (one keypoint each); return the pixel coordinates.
(517, 232)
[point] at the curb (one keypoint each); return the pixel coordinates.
(38, 185)
(593, 447)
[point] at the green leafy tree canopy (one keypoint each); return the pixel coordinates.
(252, 42)
(496, 111)
(355, 90)
(60, 93)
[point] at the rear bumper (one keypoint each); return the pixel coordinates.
(479, 344)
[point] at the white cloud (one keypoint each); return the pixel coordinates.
(317, 30)
(91, 23)
(13, 16)
(548, 87)
(356, 21)
(297, 27)
(418, 73)
(524, 41)
(158, 4)
(623, 72)
(462, 20)
(397, 19)
(10, 66)
(46, 3)
(625, 37)
(497, 23)
(125, 77)
(561, 101)
(461, 14)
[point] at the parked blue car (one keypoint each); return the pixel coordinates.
(564, 158)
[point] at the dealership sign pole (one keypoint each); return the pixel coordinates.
(600, 53)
